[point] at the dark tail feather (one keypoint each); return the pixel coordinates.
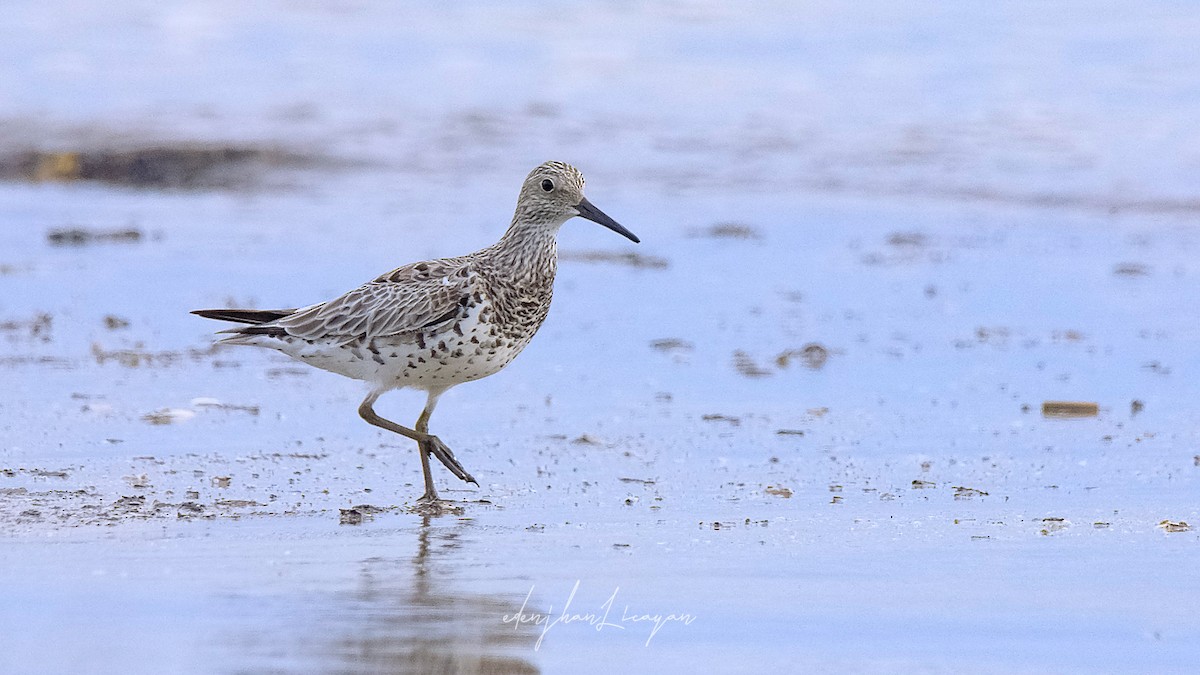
(252, 316)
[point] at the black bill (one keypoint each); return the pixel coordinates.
(586, 210)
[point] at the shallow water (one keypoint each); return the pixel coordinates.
(972, 212)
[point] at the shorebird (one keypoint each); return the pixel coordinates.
(435, 324)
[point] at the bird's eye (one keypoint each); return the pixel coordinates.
(548, 185)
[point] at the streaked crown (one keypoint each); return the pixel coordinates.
(550, 194)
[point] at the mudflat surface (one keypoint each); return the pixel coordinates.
(803, 425)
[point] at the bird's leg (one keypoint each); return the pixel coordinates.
(367, 412)
(435, 446)
(427, 443)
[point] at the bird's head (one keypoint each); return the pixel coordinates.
(553, 194)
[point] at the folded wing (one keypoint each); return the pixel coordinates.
(407, 300)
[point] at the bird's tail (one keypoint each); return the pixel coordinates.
(250, 316)
(259, 321)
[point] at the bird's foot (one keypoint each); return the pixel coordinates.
(431, 505)
(437, 448)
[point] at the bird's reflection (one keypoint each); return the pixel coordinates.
(410, 615)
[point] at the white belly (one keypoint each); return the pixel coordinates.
(459, 352)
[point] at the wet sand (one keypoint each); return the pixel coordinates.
(902, 378)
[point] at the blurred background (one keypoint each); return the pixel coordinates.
(1014, 102)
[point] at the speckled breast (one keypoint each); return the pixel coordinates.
(484, 339)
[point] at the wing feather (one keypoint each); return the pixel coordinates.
(403, 301)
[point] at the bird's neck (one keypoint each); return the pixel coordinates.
(528, 253)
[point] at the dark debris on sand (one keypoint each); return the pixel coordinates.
(165, 166)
